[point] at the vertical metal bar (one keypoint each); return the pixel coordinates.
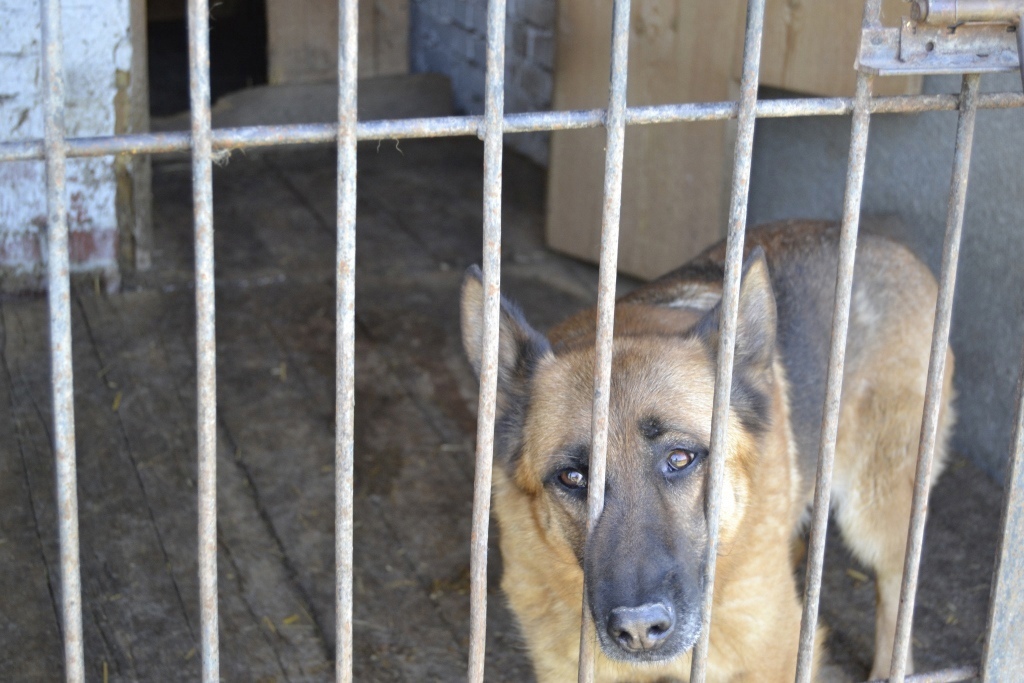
(1020, 47)
(345, 320)
(492, 132)
(730, 307)
(1005, 641)
(615, 124)
(837, 359)
(936, 371)
(61, 373)
(206, 345)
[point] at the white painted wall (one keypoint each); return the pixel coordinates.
(97, 44)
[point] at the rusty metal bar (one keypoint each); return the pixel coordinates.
(345, 334)
(740, 192)
(61, 372)
(206, 343)
(955, 675)
(253, 137)
(491, 132)
(954, 12)
(837, 359)
(936, 371)
(615, 125)
(1004, 643)
(834, 383)
(1019, 30)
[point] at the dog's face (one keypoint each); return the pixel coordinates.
(644, 561)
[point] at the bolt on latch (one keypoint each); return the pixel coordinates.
(946, 37)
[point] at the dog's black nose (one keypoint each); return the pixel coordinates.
(641, 629)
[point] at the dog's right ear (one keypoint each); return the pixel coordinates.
(520, 347)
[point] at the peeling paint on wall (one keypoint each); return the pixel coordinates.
(97, 46)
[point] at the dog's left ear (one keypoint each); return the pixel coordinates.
(756, 321)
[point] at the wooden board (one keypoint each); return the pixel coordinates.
(810, 47)
(673, 196)
(676, 176)
(302, 39)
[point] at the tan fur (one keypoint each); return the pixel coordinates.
(756, 614)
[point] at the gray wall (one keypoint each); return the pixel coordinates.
(449, 37)
(799, 169)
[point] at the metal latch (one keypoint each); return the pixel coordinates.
(946, 37)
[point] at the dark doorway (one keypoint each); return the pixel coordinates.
(238, 51)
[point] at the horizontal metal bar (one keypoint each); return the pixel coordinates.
(962, 673)
(252, 137)
(953, 12)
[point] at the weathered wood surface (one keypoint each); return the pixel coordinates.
(811, 47)
(675, 175)
(419, 217)
(302, 39)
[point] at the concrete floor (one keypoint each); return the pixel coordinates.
(419, 218)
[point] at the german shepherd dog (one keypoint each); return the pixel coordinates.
(644, 560)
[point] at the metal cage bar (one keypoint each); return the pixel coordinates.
(61, 371)
(859, 128)
(834, 383)
(206, 341)
(250, 137)
(491, 131)
(936, 371)
(727, 319)
(615, 125)
(345, 315)
(1019, 30)
(1002, 660)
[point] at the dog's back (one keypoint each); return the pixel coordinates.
(891, 311)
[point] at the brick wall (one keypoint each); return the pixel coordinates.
(448, 36)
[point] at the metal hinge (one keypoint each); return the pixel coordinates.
(946, 37)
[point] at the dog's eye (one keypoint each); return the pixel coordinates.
(680, 458)
(572, 479)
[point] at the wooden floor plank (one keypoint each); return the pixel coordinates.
(413, 448)
(260, 638)
(30, 644)
(127, 590)
(267, 411)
